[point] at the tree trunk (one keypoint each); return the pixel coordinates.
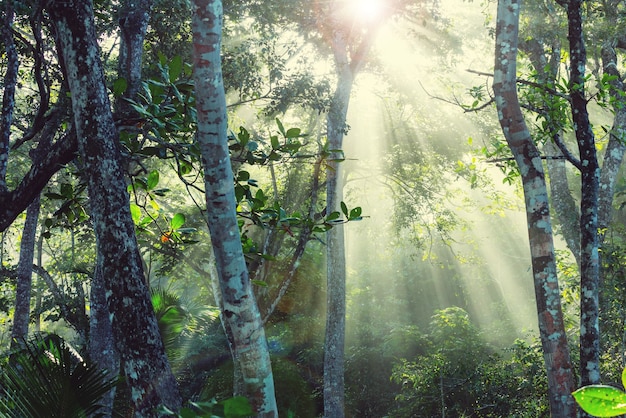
(9, 84)
(590, 186)
(135, 328)
(102, 350)
(547, 293)
(240, 310)
(616, 147)
(21, 315)
(334, 385)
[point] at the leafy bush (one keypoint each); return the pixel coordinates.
(462, 376)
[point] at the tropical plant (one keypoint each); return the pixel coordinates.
(47, 377)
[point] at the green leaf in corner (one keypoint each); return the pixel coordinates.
(601, 400)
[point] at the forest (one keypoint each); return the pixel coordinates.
(291, 208)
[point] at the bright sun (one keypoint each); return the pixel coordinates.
(367, 10)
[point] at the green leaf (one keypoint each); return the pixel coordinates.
(344, 209)
(355, 213)
(259, 283)
(67, 190)
(275, 143)
(135, 213)
(281, 128)
(333, 216)
(293, 133)
(624, 377)
(153, 180)
(601, 400)
(119, 86)
(177, 221)
(243, 175)
(175, 68)
(237, 406)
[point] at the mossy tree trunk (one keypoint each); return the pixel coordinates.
(146, 368)
(547, 292)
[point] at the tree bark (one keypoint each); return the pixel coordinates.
(135, 328)
(21, 315)
(334, 342)
(10, 82)
(102, 350)
(590, 187)
(240, 310)
(616, 147)
(547, 293)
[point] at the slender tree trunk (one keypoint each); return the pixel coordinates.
(547, 293)
(240, 310)
(334, 385)
(590, 187)
(21, 315)
(133, 21)
(616, 147)
(135, 328)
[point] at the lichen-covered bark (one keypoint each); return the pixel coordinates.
(102, 350)
(239, 308)
(10, 82)
(146, 369)
(133, 21)
(21, 314)
(547, 293)
(564, 207)
(590, 183)
(616, 147)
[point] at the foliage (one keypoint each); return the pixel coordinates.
(47, 377)
(461, 375)
(236, 407)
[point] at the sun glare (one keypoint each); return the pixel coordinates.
(368, 10)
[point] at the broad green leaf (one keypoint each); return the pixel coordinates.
(135, 213)
(275, 143)
(119, 86)
(624, 377)
(153, 180)
(176, 67)
(355, 213)
(177, 221)
(601, 400)
(293, 133)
